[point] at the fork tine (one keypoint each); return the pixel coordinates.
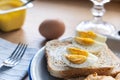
(12, 58)
(21, 52)
(15, 50)
(16, 55)
(19, 55)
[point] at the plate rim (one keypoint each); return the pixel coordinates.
(30, 74)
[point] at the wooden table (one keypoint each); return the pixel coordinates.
(70, 12)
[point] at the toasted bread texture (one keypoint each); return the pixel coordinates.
(115, 63)
(106, 64)
(114, 73)
(97, 77)
(118, 76)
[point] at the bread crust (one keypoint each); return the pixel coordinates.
(80, 72)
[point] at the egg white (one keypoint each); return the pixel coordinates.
(91, 59)
(96, 47)
(99, 38)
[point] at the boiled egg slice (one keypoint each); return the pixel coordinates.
(79, 60)
(77, 51)
(88, 44)
(84, 41)
(76, 59)
(92, 35)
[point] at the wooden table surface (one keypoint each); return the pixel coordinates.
(70, 12)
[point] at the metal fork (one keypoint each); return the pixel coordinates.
(16, 56)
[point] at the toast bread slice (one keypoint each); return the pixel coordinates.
(114, 73)
(115, 63)
(57, 67)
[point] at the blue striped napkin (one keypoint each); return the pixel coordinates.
(20, 70)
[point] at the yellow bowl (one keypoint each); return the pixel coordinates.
(12, 14)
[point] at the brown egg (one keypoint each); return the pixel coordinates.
(52, 28)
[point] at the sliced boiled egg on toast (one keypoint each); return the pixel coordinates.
(76, 59)
(77, 51)
(84, 41)
(80, 59)
(88, 44)
(92, 35)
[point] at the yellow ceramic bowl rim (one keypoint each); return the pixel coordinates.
(29, 5)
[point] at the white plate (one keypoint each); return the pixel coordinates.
(38, 66)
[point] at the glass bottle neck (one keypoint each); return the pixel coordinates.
(98, 10)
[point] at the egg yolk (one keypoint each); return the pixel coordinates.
(89, 34)
(84, 41)
(77, 51)
(76, 56)
(76, 59)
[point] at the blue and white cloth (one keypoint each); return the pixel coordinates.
(20, 70)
